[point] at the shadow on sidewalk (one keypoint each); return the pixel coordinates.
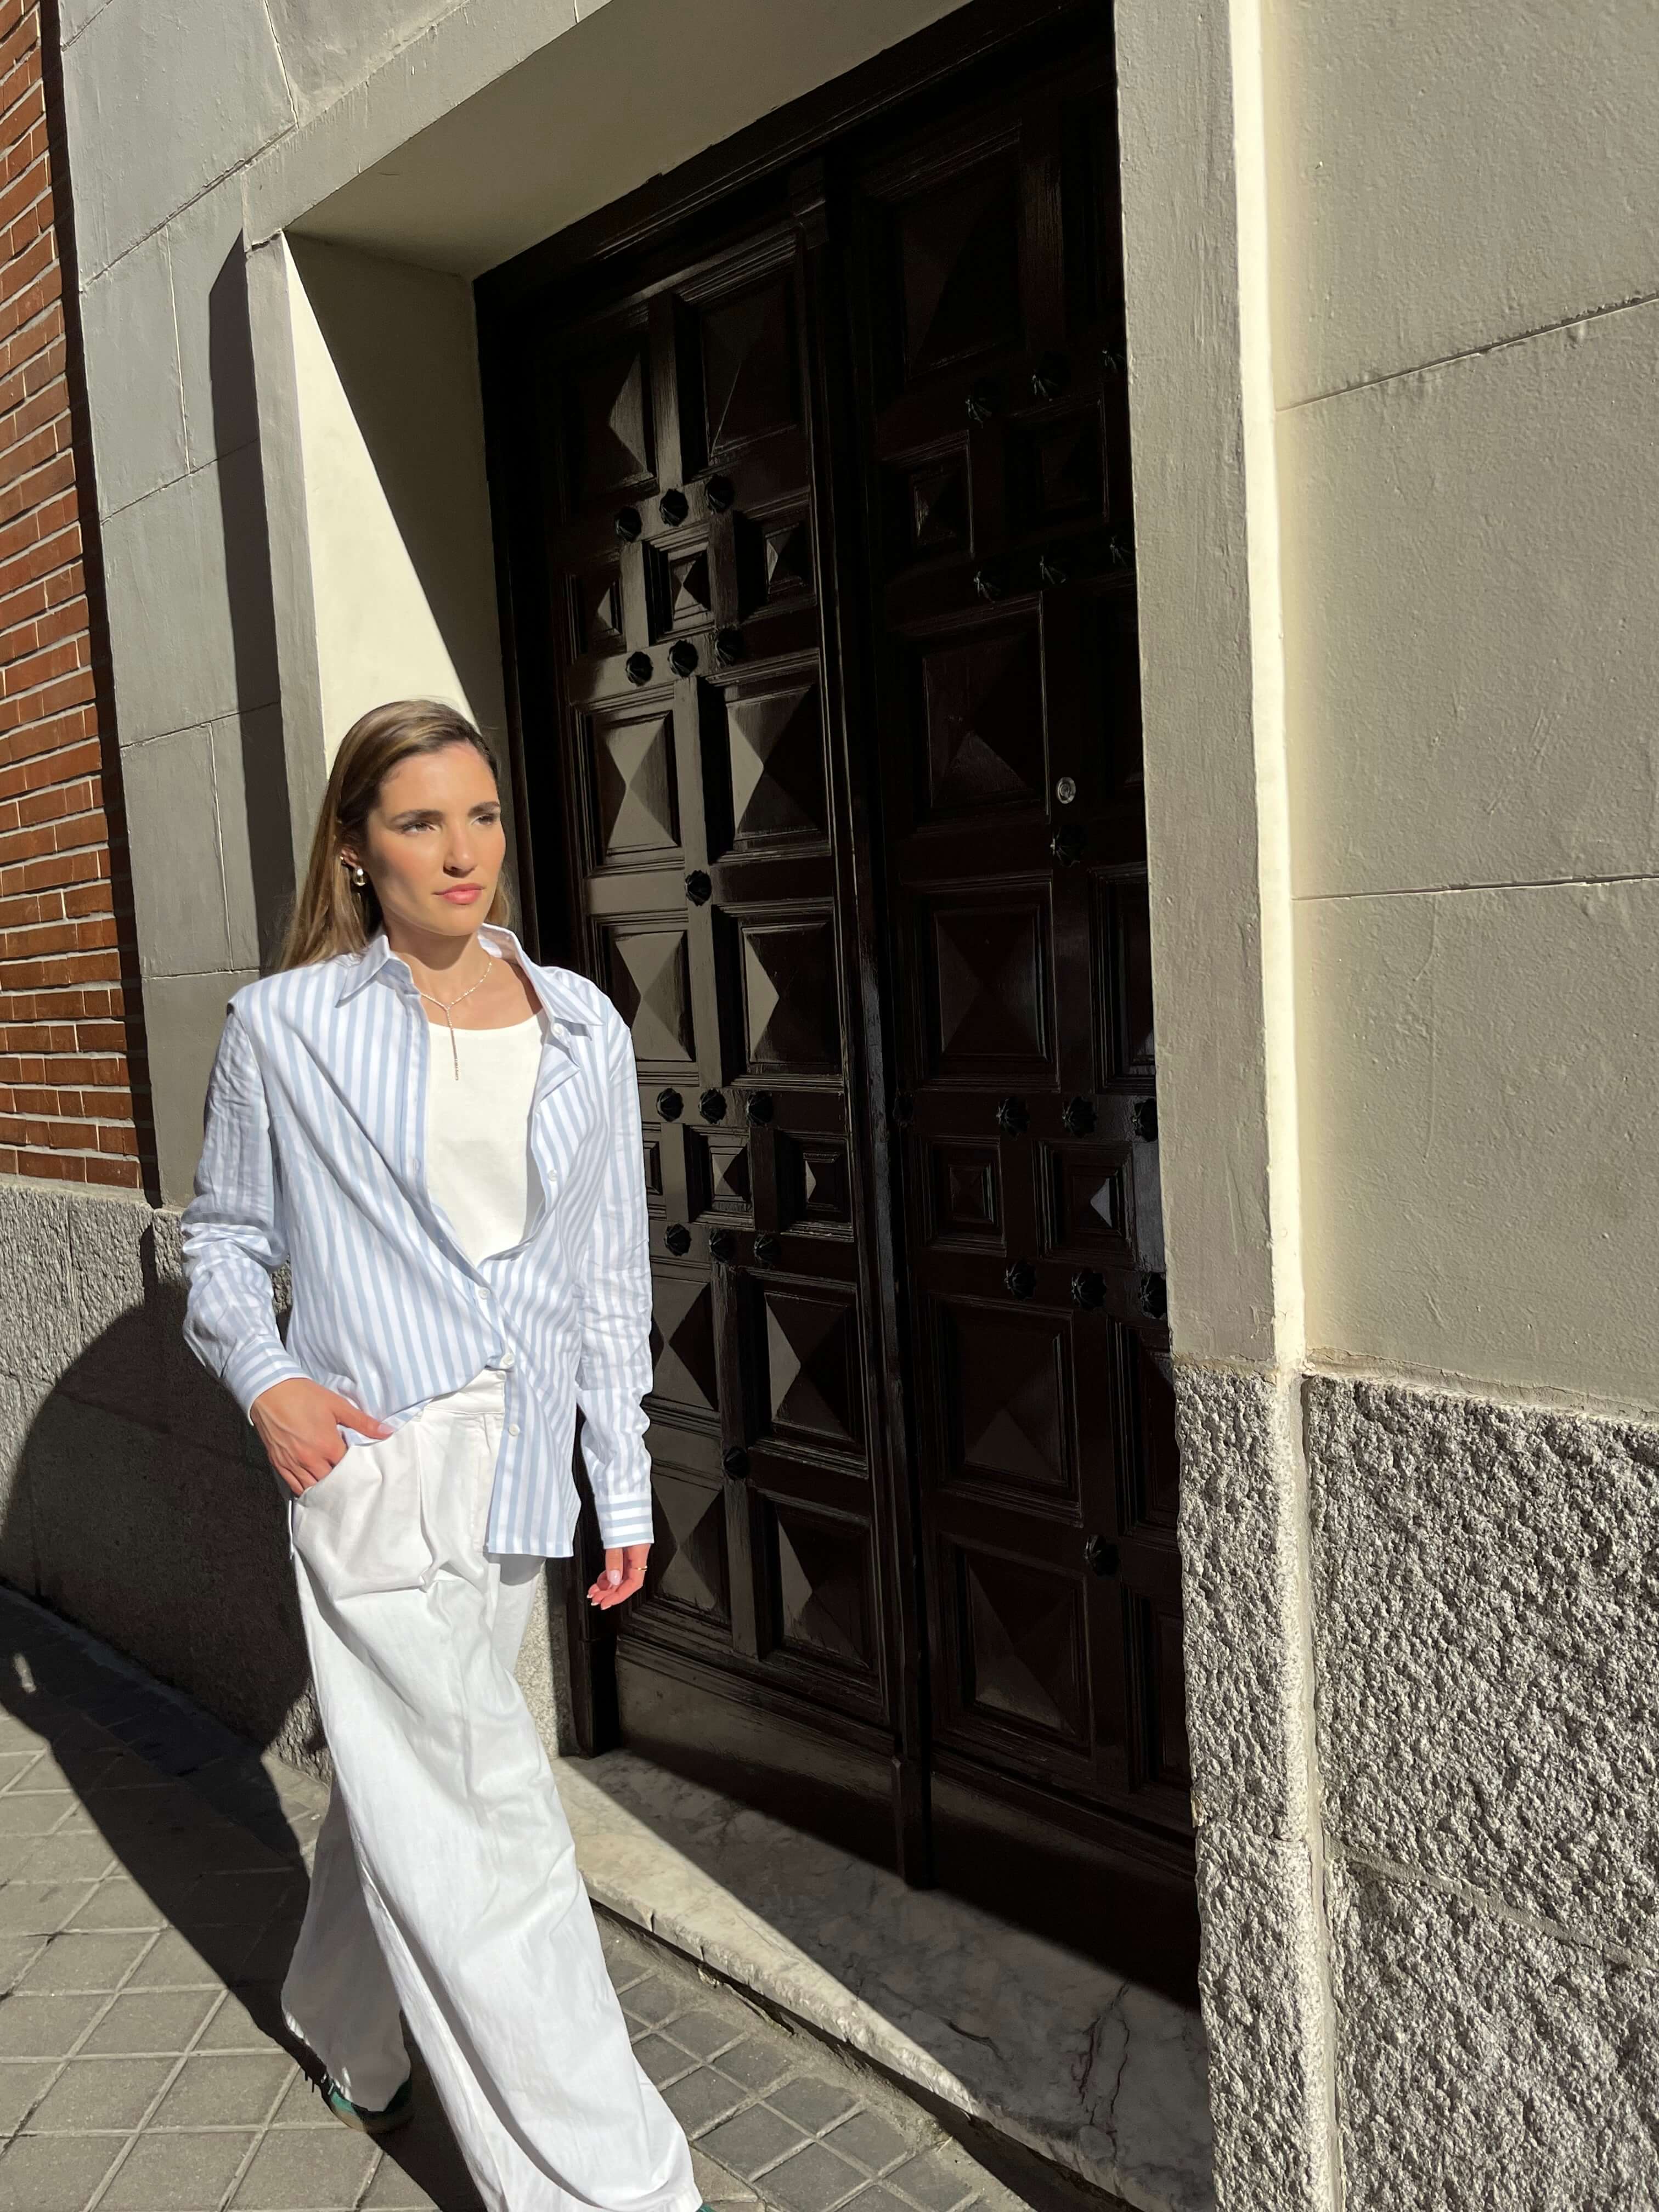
(143, 1501)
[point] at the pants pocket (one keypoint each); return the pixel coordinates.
(360, 1529)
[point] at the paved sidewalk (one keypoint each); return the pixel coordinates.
(152, 1878)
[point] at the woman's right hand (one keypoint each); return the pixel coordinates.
(299, 1424)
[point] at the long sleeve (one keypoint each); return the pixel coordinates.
(230, 1234)
(615, 1369)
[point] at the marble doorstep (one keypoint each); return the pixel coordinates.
(1094, 2073)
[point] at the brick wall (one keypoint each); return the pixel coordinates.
(68, 974)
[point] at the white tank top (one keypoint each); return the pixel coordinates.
(477, 1130)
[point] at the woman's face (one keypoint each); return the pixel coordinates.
(433, 842)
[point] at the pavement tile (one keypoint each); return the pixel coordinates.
(176, 1965)
(879, 2197)
(663, 2061)
(719, 2187)
(302, 2105)
(704, 2033)
(17, 1954)
(45, 2027)
(394, 2191)
(16, 1851)
(236, 2025)
(142, 2022)
(40, 1908)
(54, 2173)
(812, 2181)
(22, 1815)
(870, 2140)
(99, 2093)
(76, 1961)
(176, 2173)
(119, 1902)
(21, 2082)
(814, 2101)
(224, 2089)
(653, 2000)
(753, 2141)
(81, 1856)
(306, 2170)
(936, 2184)
(701, 2098)
(759, 2062)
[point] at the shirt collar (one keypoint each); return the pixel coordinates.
(498, 940)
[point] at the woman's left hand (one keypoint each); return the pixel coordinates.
(624, 1576)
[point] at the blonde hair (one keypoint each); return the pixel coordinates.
(330, 914)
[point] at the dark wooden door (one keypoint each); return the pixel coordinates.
(996, 454)
(699, 749)
(815, 505)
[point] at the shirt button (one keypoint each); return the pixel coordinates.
(513, 1428)
(507, 1359)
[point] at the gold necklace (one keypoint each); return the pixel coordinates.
(455, 1049)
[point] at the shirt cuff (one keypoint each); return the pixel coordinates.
(254, 1367)
(624, 1520)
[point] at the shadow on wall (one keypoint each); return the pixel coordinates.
(253, 605)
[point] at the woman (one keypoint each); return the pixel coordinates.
(443, 1140)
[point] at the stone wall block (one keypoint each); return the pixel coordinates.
(115, 1316)
(39, 1330)
(113, 1544)
(1487, 2066)
(1245, 1675)
(1487, 1617)
(1266, 2016)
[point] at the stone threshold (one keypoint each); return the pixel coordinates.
(1099, 2077)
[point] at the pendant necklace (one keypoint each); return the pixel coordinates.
(454, 1049)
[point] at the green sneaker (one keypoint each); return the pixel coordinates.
(360, 2116)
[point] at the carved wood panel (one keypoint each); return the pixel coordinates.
(1008, 727)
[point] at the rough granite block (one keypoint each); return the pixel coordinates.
(1243, 1638)
(1487, 2066)
(1486, 1620)
(1266, 2016)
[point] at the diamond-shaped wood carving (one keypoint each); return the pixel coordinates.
(788, 560)
(1005, 1386)
(774, 748)
(1022, 1632)
(689, 1564)
(823, 1587)
(607, 413)
(650, 984)
(938, 507)
(690, 595)
(683, 1334)
(1059, 476)
(729, 1190)
(990, 984)
(750, 384)
(959, 254)
(634, 786)
(964, 1193)
(814, 1373)
(596, 599)
(789, 996)
(982, 718)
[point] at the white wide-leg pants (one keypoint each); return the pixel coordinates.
(446, 1879)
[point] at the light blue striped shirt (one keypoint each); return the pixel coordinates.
(314, 1152)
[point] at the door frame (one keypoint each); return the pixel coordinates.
(775, 162)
